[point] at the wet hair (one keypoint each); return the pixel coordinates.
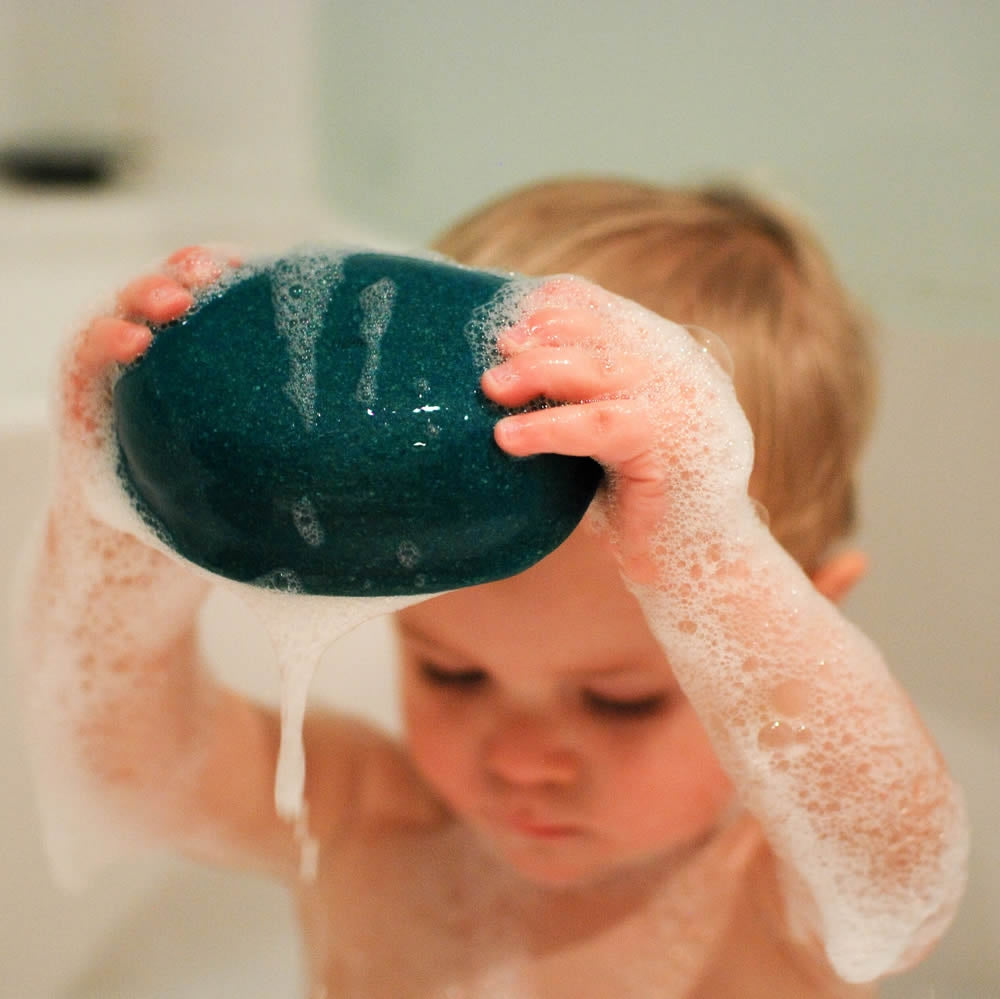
(723, 258)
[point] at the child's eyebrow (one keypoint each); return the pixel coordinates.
(589, 672)
(619, 672)
(411, 633)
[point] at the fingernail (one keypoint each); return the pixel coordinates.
(516, 336)
(502, 374)
(507, 429)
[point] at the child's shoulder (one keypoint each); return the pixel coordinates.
(360, 777)
(763, 953)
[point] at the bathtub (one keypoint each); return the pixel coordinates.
(157, 927)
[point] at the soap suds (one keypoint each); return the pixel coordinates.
(301, 626)
(376, 303)
(799, 704)
(307, 523)
(300, 293)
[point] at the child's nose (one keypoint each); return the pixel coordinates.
(530, 750)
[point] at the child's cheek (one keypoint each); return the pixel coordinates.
(435, 736)
(679, 788)
(444, 764)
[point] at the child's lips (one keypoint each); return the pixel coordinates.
(539, 827)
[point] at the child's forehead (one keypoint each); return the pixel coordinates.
(463, 649)
(569, 612)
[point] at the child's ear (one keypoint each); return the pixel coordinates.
(836, 577)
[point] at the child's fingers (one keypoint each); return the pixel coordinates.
(105, 341)
(109, 339)
(196, 267)
(551, 327)
(612, 431)
(567, 291)
(156, 298)
(618, 434)
(644, 500)
(562, 374)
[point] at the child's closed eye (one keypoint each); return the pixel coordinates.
(455, 678)
(625, 708)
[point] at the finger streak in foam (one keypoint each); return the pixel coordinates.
(300, 293)
(376, 301)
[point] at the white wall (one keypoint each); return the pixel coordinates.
(880, 117)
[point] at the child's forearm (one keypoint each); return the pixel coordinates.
(116, 702)
(824, 746)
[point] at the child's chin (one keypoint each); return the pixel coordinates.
(551, 868)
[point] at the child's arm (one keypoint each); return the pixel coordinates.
(824, 746)
(131, 737)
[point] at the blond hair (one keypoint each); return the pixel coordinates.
(721, 258)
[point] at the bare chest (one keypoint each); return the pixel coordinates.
(433, 916)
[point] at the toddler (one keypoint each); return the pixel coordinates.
(657, 763)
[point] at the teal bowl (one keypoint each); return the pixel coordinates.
(316, 425)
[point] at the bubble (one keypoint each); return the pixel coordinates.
(791, 698)
(749, 668)
(500, 312)
(408, 554)
(782, 735)
(301, 626)
(281, 581)
(761, 512)
(714, 346)
(307, 523)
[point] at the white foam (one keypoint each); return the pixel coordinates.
(801, 709)
(69, 658)
(408, 554)
(301, 627)
(307, 522)
(300, 291)
(376, 303)
(504, 308)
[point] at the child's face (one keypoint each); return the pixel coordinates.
(543, 712)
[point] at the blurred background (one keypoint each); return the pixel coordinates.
(130, 129)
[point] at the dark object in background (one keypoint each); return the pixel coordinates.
(52, 163)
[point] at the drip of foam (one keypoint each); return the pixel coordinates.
(301, 626)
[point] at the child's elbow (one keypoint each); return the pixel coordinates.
(893, 926)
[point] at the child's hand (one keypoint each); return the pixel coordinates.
(630, 387)
(122, 335)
